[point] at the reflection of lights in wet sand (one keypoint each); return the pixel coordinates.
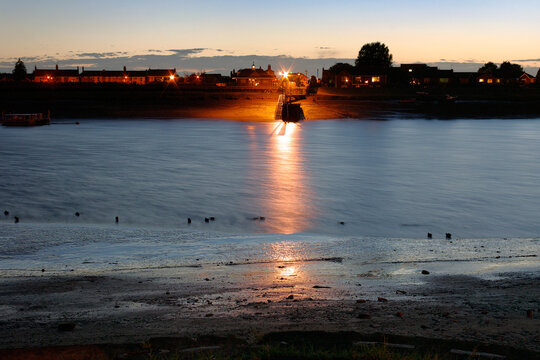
(290, 254)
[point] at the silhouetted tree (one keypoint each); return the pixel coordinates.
(19, 72)
(508, 70)
(373, 58)
(488, 68)
(339, 67)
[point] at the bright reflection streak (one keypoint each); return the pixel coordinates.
(287, 195)
(289, 255)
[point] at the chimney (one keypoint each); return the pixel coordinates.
(124, 69)
(56, 66)
(77, 69)
(269, 67)
(83, 69)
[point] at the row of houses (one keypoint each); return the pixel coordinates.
(103, 76)
(253, 77)
(419, 75)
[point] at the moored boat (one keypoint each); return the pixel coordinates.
(33, 119)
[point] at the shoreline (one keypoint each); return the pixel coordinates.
(132, 306)
(73, 102)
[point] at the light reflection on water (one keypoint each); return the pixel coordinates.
(288, 197)
(401, 178)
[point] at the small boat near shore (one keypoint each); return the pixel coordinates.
(31, 119)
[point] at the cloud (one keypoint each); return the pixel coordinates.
(206, 59)
(528, 60)
(186, 52)
(325, 48)
(98, 55)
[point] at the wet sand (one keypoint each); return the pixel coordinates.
(247, 300)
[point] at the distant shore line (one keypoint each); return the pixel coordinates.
(259, 105)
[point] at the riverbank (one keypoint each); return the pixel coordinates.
(247, 300)
(116, 101)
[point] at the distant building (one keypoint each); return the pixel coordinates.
(253, 77)
(160, 75)
(298, 79)
(56, 75)
(488, 79)
(465, 78)
(6, 77)
(422, 74)
(527, 79)
(347, 79)
(139, 77)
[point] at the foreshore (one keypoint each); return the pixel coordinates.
(110, 101)
(246, 300)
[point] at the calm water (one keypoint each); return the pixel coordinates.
(394, 179)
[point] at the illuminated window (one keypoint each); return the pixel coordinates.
(410, 70)
(498, 80)
(376, 79)
(490, 81)
(481, 80)
(444, 80)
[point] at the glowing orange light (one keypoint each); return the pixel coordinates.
(171, 77)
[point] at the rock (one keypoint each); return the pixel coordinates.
(206, 220)
(209, 315)
(116, 219)
(429, 236)
(530, 314)
(381, 299)
(497, 257)
(77, 213)
(6, 213)
(399, 314)
(364, 316)
(16, 219)
(262, 218)
(321, 287)
(212, 218)
(66, 326)
(360, 301)
(425, 272)
(290, 297)
(448, 236)
(268, 301)
(167, 293)
(342, 222)
(401, 292)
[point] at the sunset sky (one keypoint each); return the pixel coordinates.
(105, 34)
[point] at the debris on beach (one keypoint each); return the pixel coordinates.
(401, 292)
(321, 287)
(364, 316)
(381, 299)
(425, 272)
(361, 301)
